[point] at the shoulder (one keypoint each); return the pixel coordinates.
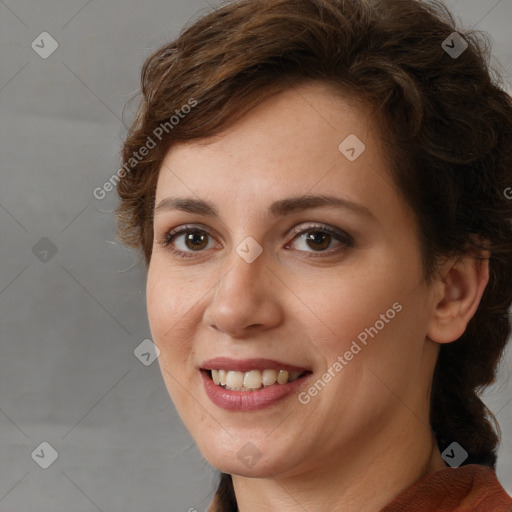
(471, 488)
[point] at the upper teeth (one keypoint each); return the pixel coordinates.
(253, 379)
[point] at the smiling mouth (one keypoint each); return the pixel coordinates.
(252, 380)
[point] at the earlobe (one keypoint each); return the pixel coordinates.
(462, 282)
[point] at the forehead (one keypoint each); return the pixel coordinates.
(301, 141)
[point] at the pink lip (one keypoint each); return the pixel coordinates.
(246, 365)
(248, 400)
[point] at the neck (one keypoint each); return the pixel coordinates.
(355, 481)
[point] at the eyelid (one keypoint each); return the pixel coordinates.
(304, 227)
(188, 227)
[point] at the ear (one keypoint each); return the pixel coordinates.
(462, 282)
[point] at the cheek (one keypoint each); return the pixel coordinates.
(380, 309)
(342, 308)
(170, 314)
(171, 323)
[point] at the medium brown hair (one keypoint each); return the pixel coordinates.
(445, 125)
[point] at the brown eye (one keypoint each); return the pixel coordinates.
(187, 240)
(196, 240)
(318, 240)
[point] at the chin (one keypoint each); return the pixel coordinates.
(252, 459)
(231, 464)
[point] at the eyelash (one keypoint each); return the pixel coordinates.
(344, 238)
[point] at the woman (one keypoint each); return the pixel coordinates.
(317, 187)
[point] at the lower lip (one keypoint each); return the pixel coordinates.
(249, 400)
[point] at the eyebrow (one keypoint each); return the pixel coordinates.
(279, 208)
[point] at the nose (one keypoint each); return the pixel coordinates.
(245, 299)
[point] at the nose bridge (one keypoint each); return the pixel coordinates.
(244, 278)
(246, 264)
(243, 296)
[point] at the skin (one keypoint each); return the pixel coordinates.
(372, 418)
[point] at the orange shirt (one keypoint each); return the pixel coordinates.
(471, 488)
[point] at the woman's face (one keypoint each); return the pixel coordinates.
(296, 253)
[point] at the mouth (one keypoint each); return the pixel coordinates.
(250, 384)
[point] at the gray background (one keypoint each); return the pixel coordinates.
(70, 324)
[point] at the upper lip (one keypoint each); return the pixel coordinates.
(245, 365)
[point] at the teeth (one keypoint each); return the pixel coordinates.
(234, 380)
(252, 380)
(282, 377)
(269, 377)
